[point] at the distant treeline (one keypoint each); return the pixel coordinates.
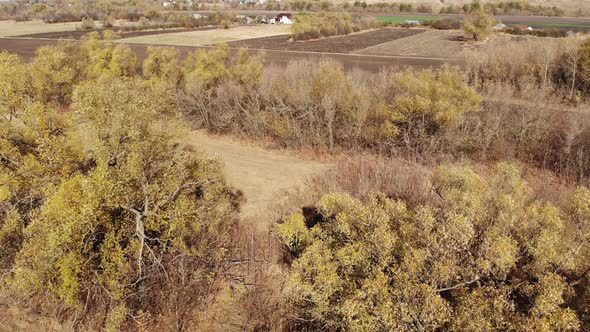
(497, 8)
(504, 8)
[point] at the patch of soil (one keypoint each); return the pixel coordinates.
(430, 44)
(78, 34)
(337, 44)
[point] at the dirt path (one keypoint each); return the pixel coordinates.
(262, 175)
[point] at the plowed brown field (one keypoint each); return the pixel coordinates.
(430, 43)
(337, 44)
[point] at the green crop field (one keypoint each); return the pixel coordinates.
(567, 26)
(402, 19)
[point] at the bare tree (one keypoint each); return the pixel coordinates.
(572, 56)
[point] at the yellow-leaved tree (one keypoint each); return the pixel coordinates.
(478, 25)
(485, 255)
(142, 228)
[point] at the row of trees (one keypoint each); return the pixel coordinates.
(495, 8)
(504, 8)
(560, 66)
(325, 24)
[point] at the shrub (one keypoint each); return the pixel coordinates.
(478, 25)
(87, 23)
(226, 24)
(372, 265)
(144, 22)
(444, 24)
(56, 16)
(323, 24)
(109, 22)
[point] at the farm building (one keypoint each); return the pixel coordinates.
(282, 18)
(499, 26)
(253, 2)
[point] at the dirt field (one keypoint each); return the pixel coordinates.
(430, 43)
(398, 42)
(202, 38)
(262, 175)
(26, 48)
(338, 44)
(12, 28)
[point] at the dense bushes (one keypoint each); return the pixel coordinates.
(444, 24)
(545, 73)
(56, 16)
(554, 64)
(325, 24)
(102, 213)
(479, 254)
(422, 114)
(324, 107)
(546, 32)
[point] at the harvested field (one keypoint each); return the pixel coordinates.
(431, 43)
(12, 28)
(337, 44)
(78, 34)
(202, 38)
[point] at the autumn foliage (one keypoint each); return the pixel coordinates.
(108, 221)
(483, 255)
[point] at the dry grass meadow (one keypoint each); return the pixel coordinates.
(262, 175)
(12, 28)
(210, 37)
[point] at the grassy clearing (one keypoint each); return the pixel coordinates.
(211, 37)
(12, 28)
(402, 19)
(263, 176)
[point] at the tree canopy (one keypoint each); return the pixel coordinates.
(99, 202)
(486, 256)
(478, 25)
